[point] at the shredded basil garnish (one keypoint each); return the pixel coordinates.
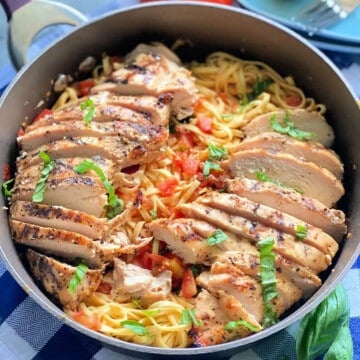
(301, 231)
(5, 188)
(151, 312)
(215, 153)
(288, 128)
(188, 317)
(76, 279)
(217, 237)
(232, 325)
(268, 279)
(153, 214)
(89, 105)
(49, 166)
(259, 87)
(135, 326)
(115, 205)
(208, 166)
(264, 178)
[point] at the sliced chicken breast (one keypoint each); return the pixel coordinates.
(58, 217)
(234, 204)
(304, 176)
(285, 244)
(55, 277)
(289, 201)
(308, 151)
(302, 119)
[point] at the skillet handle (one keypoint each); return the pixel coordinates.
(27, 18)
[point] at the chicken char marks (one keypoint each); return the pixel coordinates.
(70, 223)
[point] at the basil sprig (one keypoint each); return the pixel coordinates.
(326, 330)
(89, 105)
(115, 205)
(288, 128)
(268, 280)
(217, 237)
(49, 166)
(78, 276)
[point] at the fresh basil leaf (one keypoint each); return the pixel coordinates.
(232, 325)
(209, 165)
(301, 231)
(259, 87)
(5, 188)
(217, 237)
(342, 347)
(268, 279)
(115, 205)
(319, 329)
(49, 166)
(90, 105)
(188, 317)
(76, 279)
(135, 326)
(217, 152)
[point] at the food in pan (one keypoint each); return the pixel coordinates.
(178, 204)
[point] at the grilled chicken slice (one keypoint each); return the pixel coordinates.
(133, 282)
(285, 244)
(214, 313)
(289, 201)
(63, 243)
(55, 277)
(124, 153)
(308, 151)
(155, 75)
(141, 132)
(302, 119)
(234, 204)
(304, 176)
(58, 217)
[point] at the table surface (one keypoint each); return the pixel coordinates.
(29, 332)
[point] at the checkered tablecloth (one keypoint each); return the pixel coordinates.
(29, 332)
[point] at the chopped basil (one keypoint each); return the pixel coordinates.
(268, 280)
(217, 237)
(288, 128)
(115, 205)
(151, 312)
(5, 188)
(89, 105)
(49, 166)
(259, 87)
(208, 166)
(232, 325)
(217, 152)
(188, 317)
(153, 214)
(135, 326)
(261, 176)
(76, 279)
(301, 231)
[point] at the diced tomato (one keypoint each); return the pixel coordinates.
(167, 186)
(177, 213)
(187, 165)
(293, 100)
(6, 172)
(188, 286)
(204, 123)
(198, 104)
(91, 322)
(85, 86)
(45, 113)
(104, 287)
(186, 138)
(20, 132)
(176, 265)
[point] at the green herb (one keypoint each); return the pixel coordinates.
(5, 188)
(301, 231)
(288, 128)
(232, 325)
(90, 105)
(151, 312)
(76, 279)
(188, 317)
(217, 237)
(209, 165)
(49, 166)
(135, 326)
(326, 330)
(217, 152)
(268, 279)
(115, 205)
(153, 214)
(264, 178)
(259, 87)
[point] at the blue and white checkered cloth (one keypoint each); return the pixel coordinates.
(28, 332)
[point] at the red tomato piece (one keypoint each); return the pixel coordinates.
(204, 123)
(167, 186)
(85, 86)
(91, 322)
(45, 113)
(188, 286)
(293, 100)
(6, 172)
